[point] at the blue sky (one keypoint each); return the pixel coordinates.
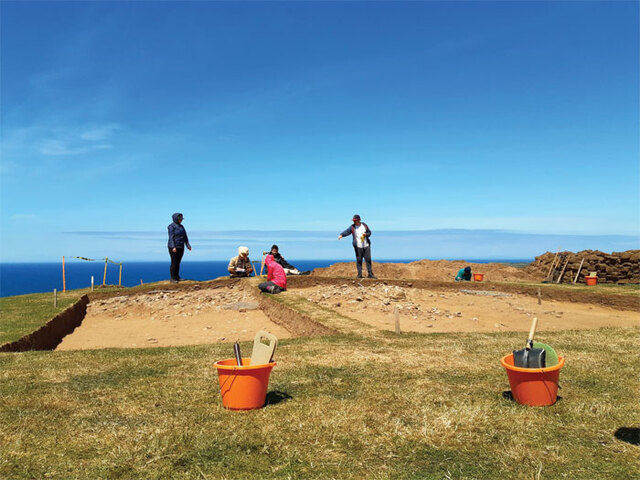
(519, 119)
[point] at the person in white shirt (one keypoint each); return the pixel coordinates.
(361, 244)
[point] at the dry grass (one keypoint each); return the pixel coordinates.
(362, 404)
(631, 289)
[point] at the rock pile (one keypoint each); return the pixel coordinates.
(615, 267)
(379, 297)
(169, 303)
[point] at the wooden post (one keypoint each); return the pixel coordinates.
(562, 272)
(575, 280)
(92, 283)
(120, 277)
(64, 280)
(140, 281)
(104, 278)
(552, 264)
(55, 298)
(262, 265)
(396, 314)
(539, 297)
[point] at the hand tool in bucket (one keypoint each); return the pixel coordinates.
(263, 353)
(236, 351)
(530, 357)
(550, 357)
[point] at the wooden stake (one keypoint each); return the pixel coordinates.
(539, 297)
(579, 268)
(552, 265)
(55, 298)
(64, 281)
(120, 277)
(92, 283)
(140, 281)
(562, 272)
(104, 278)
(396, 314)
(262, 264)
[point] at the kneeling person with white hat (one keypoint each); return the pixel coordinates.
(240, 266)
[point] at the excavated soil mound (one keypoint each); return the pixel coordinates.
(432, 270)
(615, 267)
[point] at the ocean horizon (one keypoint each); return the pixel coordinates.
(25, 278)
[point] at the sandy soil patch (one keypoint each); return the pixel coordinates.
(169, 318)
(461, 311)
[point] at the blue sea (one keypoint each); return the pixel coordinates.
(23, 278)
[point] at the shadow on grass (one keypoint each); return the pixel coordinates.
(508, 395)
(275, 397)
(629, 435)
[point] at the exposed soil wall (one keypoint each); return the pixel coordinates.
(298, 324)
(51, 334)
(615, 267)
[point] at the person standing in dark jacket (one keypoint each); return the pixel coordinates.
(177, 241)
(361, 244)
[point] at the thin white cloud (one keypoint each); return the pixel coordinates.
(67, 140)
(100, 133)
(63, 147)
(593, 224)
(59, 147)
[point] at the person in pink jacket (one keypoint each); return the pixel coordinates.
(276, 278)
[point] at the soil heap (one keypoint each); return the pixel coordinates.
(615, 267)
(441, 270)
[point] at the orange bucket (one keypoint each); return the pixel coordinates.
(478, 277)
(591, 281)
(245, 387)
(537, 387)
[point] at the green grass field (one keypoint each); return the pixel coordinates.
(23, 314)
(360, 404)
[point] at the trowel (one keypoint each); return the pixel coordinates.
(263, 353)
(530, 357)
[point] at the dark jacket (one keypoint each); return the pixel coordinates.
(352, 231)
(280, 259)
(177, 234)
(463, 275)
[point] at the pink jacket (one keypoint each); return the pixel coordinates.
(275, 272)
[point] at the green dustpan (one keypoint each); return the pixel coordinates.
(551, 357)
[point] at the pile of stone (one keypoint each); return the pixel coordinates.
(615, 267)
(384, 297)
(175, 302)
(380, 297)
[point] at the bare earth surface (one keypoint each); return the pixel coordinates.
(461, 311)
(431, 270)
(168, 318)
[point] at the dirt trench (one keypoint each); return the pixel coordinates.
(49, 336)
(168, 315)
